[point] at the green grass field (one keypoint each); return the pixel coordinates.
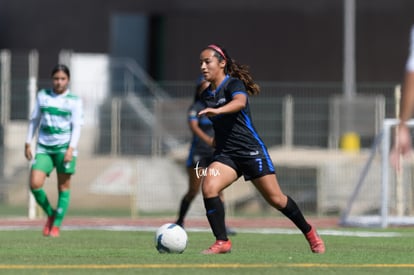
(126, 252)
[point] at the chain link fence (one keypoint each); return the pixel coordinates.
(135, 140)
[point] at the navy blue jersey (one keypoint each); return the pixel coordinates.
(199, 149)
(235, 135)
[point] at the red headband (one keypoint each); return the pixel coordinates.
(217, 49)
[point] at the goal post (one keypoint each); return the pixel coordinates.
(386, 207)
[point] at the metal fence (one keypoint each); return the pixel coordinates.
(136, 139)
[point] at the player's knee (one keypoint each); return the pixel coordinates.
(209, 190)
(278, 202)
(35, 184)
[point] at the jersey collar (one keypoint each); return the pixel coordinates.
(221, 84)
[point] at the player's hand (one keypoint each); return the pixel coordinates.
(209, 112)
(28, 152)
(402, 146)
(68, 155)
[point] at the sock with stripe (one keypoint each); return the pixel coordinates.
(215, 215)
(62, 206)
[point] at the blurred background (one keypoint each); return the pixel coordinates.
(328, 69)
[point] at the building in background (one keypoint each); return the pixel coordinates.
(281, 40)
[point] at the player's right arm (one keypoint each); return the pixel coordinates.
(33, 125)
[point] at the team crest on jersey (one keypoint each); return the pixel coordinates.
(221, 101)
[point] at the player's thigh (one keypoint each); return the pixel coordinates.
(42, 166)
(216, 178)
(64, 167)
(44, 163)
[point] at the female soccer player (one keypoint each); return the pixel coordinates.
(200, 154)
(238, 148)
(57, 115)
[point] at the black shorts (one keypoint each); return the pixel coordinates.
(250, 168)
(199, 161)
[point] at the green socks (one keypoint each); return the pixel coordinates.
(41, 199)
(62, 206)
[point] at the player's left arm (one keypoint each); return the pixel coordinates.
(237, 103)
(407, 100)
(77, 122)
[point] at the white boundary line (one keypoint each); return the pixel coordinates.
(326, 232)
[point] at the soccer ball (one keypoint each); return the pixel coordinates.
(170, 238)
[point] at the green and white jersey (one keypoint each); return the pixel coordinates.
(58, 118)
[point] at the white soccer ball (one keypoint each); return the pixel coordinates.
(170, 238)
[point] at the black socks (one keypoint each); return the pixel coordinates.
(184, 206)
(215, 215)
(293, 212)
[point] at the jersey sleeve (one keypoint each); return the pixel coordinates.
(235, 86)
(77, 122)
(194, 109)
(192, 112)
(33, 121)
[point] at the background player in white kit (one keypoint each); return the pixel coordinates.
(402, 146)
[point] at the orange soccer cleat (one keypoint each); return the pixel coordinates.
(48, 225)
(54, 232)
(219, 247)
(315, 242)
